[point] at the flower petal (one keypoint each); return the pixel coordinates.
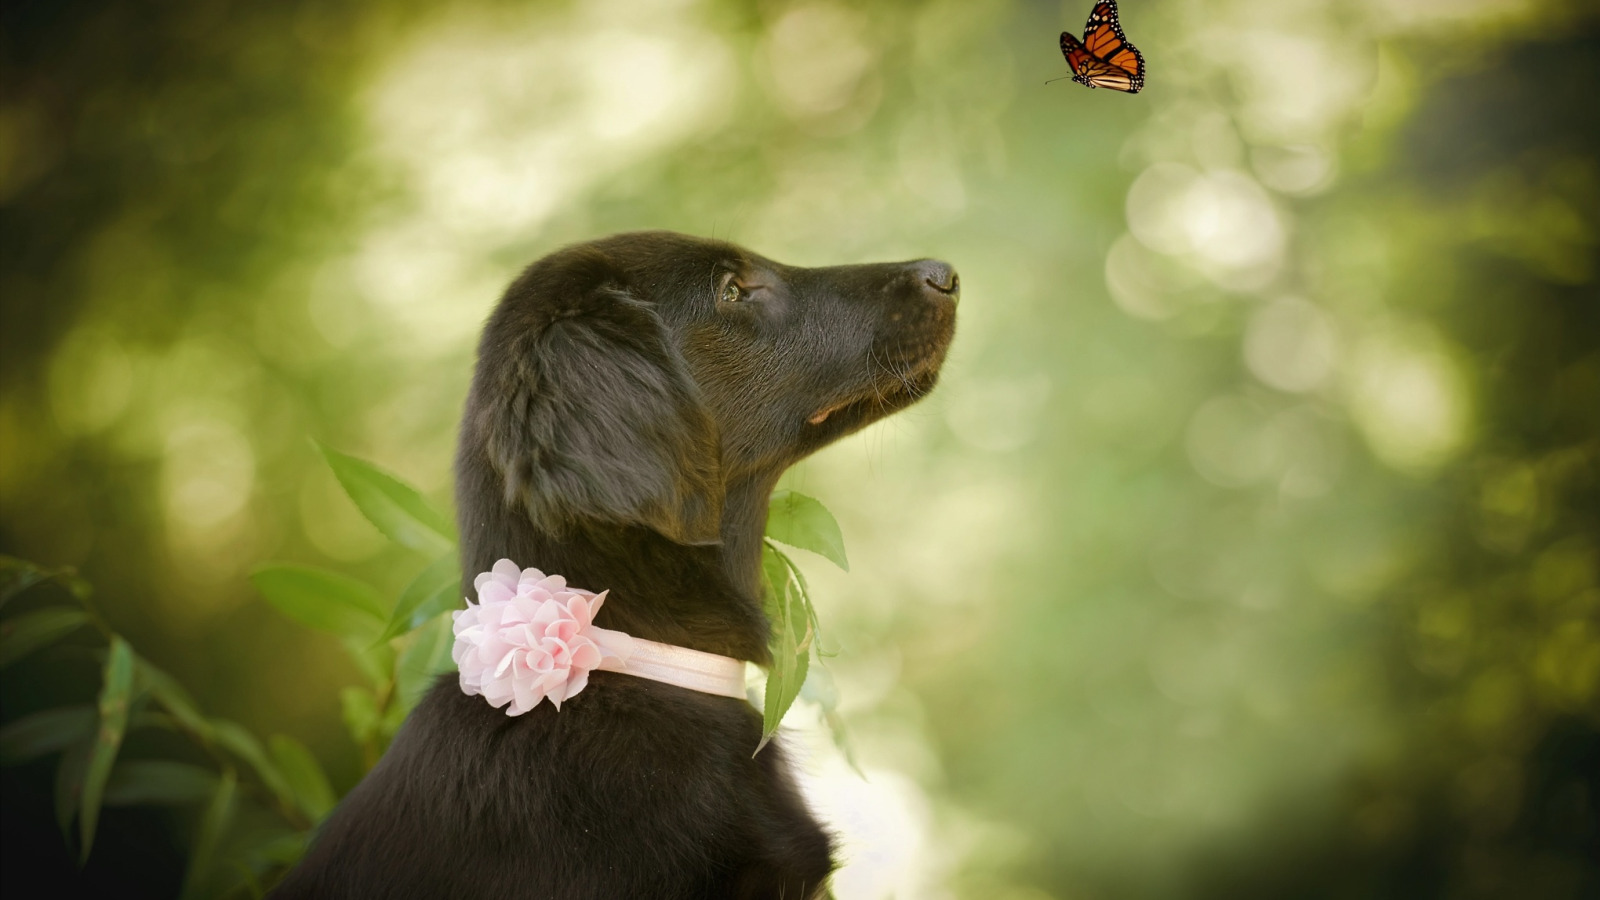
(505, 663)
(530, 636)
(576, 683)
(494, 592)
(585, 656)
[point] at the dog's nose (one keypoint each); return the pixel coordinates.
(941, 277)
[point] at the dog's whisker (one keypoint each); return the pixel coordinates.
(872, 377)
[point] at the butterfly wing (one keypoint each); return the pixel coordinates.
(1122, 66)
(1098, 73)
(1079, 59)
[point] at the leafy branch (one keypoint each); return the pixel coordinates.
(798, 521)
(92, 771)
(399, 646)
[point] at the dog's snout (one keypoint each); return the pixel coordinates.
(940, 276)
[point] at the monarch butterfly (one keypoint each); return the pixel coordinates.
(1104, 58)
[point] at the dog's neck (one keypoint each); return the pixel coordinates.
(705, 598)
(744, 522)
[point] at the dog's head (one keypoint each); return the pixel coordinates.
(632, 379)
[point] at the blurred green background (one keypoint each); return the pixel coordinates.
(1247, 549)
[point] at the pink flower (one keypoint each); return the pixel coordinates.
(530, 637)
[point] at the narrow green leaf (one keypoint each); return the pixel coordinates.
(16, 576)
(774, 578)
(208, 837)
(151, 718)
(789, 643)
(69, 783)
(800, 592)
(841, 740)
(783, 686)
(393, 717)
(243, 744)
(376, 661)
(821, 690)
(817, 684)
(158, 781)
(247, 880)
(42, 733)
(306, 778)
(26, 633)
(114, 696)
(805, 599)
(75, 584)
(173, 697)
(282, 851)
(361, 715)
(394, 507)
(801, 521)
(423, 661)
(436, 589)
(321, 599)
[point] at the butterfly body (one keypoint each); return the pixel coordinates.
(1104, 58)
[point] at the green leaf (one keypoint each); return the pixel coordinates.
(69, 783)
(158, 781)
(423, 660)
(361, 715)
(244, 745)
(321, 599)
(775, 579)
(284, 850)
(306, 778)
(393, 717)
(801, 521)
(208, 837)
(783, 686)
(817, 684)
(805, 599)
(376, 661)
(26, 633)
(841, 740)
(436, 589)
(151, 718)
(800, 592)
(395, 508)
(75, 584)
(790, 643)
(821, 690)
(172, 696)
(42, 733)
(114, 696)
(16, 576)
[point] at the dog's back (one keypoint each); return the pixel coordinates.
(643, 790)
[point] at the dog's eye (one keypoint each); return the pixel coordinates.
(731, 291)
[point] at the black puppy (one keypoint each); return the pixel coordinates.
(636, 399)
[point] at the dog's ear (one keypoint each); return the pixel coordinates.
(589, 413)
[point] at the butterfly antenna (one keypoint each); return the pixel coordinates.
(1062, 78)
